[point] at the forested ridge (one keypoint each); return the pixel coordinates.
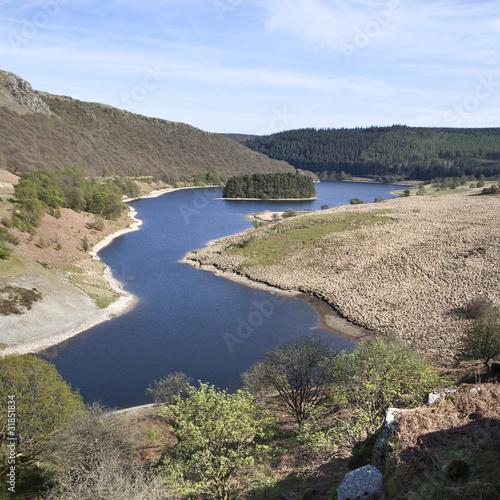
(387, 152)
(269, 186)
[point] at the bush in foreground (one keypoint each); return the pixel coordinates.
(222, 445)
(482, 341)
(42, 401)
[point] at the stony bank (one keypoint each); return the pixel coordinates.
(409, 273)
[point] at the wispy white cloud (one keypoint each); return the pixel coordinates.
(457, 31)
(413, 60)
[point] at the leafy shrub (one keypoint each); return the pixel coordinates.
(7, 222)
(221, 448)
(493, 189)
(85, 244)
(23, 225)
(482, 341)
(356, 201)
(289, 212)
(5, 251)
(7, 237)
(379, 374)
(97, 224)
(44, 402)
(476, 307)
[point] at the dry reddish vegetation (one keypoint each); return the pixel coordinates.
(450, 450)
(148, 433)
(69, 231)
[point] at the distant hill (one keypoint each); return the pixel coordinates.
(44, 131)
(398, 151)
(241, 138)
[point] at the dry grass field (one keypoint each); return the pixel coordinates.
(405, 267)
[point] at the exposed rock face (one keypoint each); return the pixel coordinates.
(20, 92)
(362, 483)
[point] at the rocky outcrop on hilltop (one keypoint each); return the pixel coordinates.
(43, 131)
(409, 276)
(21, 95)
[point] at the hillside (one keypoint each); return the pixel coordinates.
(396, 152)
(40, 130)
(404, 267)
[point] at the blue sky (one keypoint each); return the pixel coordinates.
(263, 66)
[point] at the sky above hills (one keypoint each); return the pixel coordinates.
(263, 66)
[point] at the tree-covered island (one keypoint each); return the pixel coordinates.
(269, 186)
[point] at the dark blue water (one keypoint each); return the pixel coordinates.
(189, 320)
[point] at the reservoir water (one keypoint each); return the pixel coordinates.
(185, 316)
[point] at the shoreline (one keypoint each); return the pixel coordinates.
(125, 303)
(330, 319)
(267, 199)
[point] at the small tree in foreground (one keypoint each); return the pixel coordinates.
(221, 449)
(379, 374)
(482, 341)
(299, 371)
(42, 402)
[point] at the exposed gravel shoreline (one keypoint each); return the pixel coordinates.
(410, 276)
(65, 310)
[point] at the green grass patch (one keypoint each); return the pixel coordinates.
(153, 433)
(103, 302)
(9, 266)
(267, 245)
(69, 269)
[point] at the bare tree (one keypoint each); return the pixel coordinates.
(89, 460)
(299, 371)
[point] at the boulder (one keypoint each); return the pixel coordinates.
(362, 483)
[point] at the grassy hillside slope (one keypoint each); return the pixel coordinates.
(39, 130)
(404, 267)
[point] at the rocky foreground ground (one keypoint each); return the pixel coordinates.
(410, 275)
